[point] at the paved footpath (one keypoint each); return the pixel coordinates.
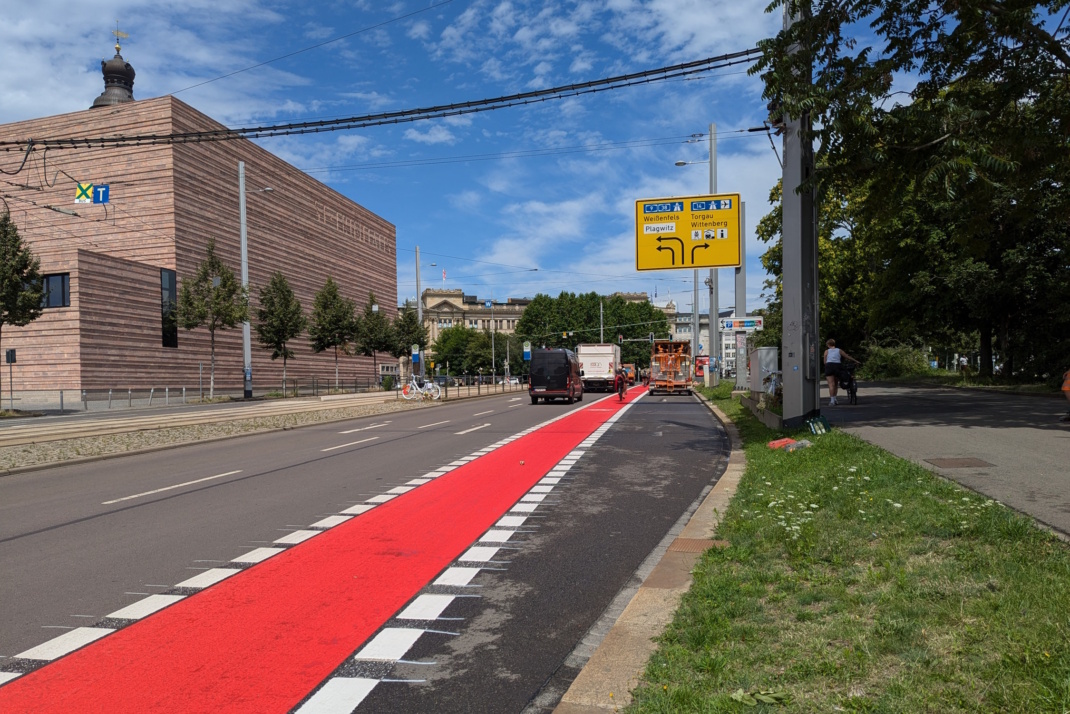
(1012, 448)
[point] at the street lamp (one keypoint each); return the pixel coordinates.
(246, 335)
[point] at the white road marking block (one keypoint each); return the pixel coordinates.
(330, 522)
(257, 555)
(428, 426)
(457, 576)
(468, 431)
(208, 577)
(418, 481)
(65, 643)
(541, 489)
(352, 443)
(524, 508)
(169, 488)
(551, 481)
(8, 676)
(383, 498)
(357, 510)
(296, 537)
(510, 521)
(479, 554)
(340, 695)
(401, 489)
(145, 607)
(391, 644)
(533, 498)
(495, 536)
(364, 428)
(426, 607)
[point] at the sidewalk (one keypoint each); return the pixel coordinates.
(1010, 447)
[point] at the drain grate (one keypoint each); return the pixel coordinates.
(695, 545)
(959, 463)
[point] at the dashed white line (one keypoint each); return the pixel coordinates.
(489, 411)
(145, 607)
(495, 536)
(382, 498)
(391, 644)
(364, 428)
(457, 576)
(297, 537)
(514, 406)
(474, 428)
(65, 643)
(257, 555)
(357, 510)
(8, 676)
(426, 607)
(479, 554)
(330, 521)
(169, 488)
(510, 521)
(340, 695)
(352, 443)
(208, 577)
(437, 423)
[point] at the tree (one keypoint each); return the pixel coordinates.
(451, 347)
(213, 298)
(376, 334)
(21, 289)
(332, 325)
(408, 331)
(279, 319)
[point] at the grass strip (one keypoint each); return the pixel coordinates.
(859, 582)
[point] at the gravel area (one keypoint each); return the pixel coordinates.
(54, 452)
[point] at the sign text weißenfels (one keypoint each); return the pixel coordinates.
(688, 232)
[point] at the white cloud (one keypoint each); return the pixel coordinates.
(437, 134)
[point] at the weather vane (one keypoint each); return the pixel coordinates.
(119, 35)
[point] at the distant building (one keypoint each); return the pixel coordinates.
(452, 308)
(113, 269)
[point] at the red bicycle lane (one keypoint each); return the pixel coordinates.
(261, 640)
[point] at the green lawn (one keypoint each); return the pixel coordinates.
(858, 582)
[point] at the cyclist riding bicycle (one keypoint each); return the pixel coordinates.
(619, 381)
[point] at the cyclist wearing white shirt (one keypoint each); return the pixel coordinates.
(834, 357)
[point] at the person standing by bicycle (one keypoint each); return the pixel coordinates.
(619, 381)
(834, 357)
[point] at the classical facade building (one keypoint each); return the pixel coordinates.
(452, 308)
(113, 268)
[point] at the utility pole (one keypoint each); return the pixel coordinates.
(799, 348)
(419, 303)
(715, 296)
(741, 295)
(246, 337)
(601, 337)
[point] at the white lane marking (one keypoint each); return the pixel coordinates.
(364, 428)
(257, 555)
(494, 536)
(457, 576)
(457, 464)
(357, 510)
(8, 676)
(479, 554)
(418, 482)
(474, 428)
(352, 443)
(168, 488)
(550, 480)
(516, 399)
(437, 423)
(511, 521)
(390, 644)
(541, 489)
(382, 498)
(533, 498)
(65, 643)
(208, 577)
(489, 411)
(426, 607)
(524, 507)
(145, 607)
(330, 522)
(401, 489)
(340, 695)
(296, 537)
(514, 406)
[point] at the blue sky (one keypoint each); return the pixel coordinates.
(487, 197)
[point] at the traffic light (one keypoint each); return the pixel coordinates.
(620, 339)
(651, 336)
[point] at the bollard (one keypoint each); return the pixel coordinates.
(167, 396)
(152, 391)
(85, 401)
(61, 401)
(183, 395)
(109, 399)
(129, 398)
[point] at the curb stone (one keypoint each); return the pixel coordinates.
(607, 679)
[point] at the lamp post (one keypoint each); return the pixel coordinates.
(246, 335)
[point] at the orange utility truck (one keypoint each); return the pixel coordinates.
(670, 367)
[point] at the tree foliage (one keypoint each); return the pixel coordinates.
(408, 331)
(375, 333)
(279, 319)
(21, 289)
(954, 188)
(213, 298)
(332, 325)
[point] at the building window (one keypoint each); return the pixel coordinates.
(57, 290)
(168, 305)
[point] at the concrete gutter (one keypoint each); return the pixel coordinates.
(606, 681)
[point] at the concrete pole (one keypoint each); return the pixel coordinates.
(419, 303)
(800, 350)
(246, 338)
(715, 297)
(741, 295)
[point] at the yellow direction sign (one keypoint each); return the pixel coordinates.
(688, 232)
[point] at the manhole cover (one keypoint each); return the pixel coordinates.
(961, 463)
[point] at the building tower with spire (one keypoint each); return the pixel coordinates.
(118, 79)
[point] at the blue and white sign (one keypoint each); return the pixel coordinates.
(100, 194)
(527, 351)
(667, 207)
(720, 204)
(487, 304)
(415, 354)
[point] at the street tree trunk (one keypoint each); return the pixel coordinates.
(336, 368)
(985, 368)
(284, 374)
(211, 375)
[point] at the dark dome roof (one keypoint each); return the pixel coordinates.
(118, 81)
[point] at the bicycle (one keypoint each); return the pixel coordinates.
(414, 390)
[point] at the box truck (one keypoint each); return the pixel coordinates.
(599, 364)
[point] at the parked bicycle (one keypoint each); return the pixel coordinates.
(415, 390)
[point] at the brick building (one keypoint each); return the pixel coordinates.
(112, 266)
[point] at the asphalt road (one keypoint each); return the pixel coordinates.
(79, 542)
(1011, 448)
